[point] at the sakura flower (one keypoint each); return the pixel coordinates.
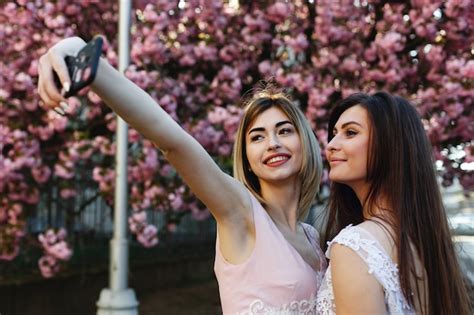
(148, 236)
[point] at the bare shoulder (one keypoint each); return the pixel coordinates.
(373, 226)
(346, 262)
(353, 282)
(381, 232)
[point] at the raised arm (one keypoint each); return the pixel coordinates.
(226, 198)
(220, 192)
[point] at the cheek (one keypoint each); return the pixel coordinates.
(299, 149)
(363, 152)
(300, 156)
(293, 142)
(251, 153)
(359, 167)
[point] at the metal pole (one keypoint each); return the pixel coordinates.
(118, 299)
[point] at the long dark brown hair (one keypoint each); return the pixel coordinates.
(400, 167)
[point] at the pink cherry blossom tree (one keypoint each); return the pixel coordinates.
(197, 58)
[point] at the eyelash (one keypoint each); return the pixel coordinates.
(255, 138)
(350, 132)
(283, 131)
(347, 132)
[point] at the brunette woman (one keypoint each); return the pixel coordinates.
(392, 251)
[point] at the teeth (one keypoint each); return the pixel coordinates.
(277, 159)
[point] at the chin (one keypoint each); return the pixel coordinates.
(338, 179)
(280, 177)
(334, 178)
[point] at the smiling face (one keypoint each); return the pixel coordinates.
(347, 152)
(273, 147)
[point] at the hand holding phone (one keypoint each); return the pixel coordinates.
(83, 67)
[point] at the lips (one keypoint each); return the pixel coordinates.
(276, 159)
(336, 161)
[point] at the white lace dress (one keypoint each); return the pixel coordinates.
(379, 264)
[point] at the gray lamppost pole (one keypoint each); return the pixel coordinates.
(118, 299)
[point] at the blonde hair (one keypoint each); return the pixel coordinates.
(311, 168)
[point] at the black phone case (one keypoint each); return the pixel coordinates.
(83, 67)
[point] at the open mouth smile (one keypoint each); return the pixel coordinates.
(276, 160)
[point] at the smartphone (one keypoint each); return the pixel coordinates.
(83, 67)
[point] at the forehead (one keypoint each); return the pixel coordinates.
(269, 117)
(356, 114)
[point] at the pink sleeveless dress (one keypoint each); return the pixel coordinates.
(275, 279)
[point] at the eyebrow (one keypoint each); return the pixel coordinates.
(278, 124)
(344, 125)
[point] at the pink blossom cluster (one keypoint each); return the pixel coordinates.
(55, 251)
(146, 233)
(11, 229)
(196, 59)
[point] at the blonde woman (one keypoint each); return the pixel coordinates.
(267, 260)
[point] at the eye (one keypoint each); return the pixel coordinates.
(256, 138)
(285, 131)
(350, 132)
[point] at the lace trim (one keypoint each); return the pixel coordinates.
(379, 264)
(306, 307)
(325, 301)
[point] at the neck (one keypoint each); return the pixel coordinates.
(372, 209)
(282, 202)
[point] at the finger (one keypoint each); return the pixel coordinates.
(46, 100)
(46, 86)
(47, 103)
(59, 111)
(64, 106)
(59, 66)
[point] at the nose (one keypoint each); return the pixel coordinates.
(273, 143)
(333, 145)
